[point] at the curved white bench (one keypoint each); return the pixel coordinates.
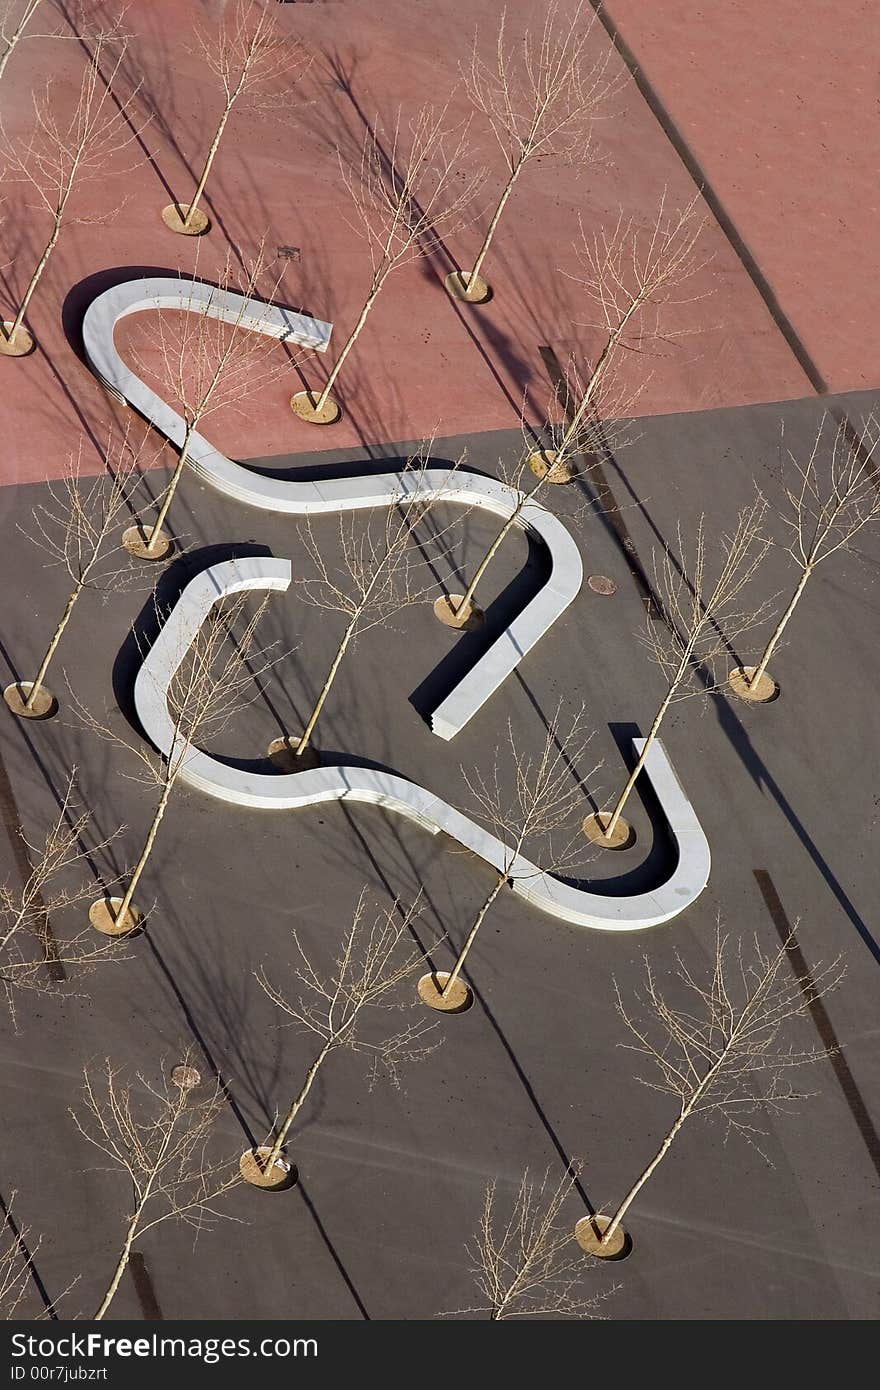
(339, 494)
(281, 792)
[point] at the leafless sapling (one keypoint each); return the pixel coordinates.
(204, 363)
(521, 1261)
(15, 20)
(715, 1045)
(64, 153)
(832, 494)
(631, 274)
(334, 1006)
(33, 956)
(529, 801)
(405, 187)
(540, 97)
(376, 575)
(217, 676)
(77, 528)
(705, 605)
(158, 1134)
(246, 53)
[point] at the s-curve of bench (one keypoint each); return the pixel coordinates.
(290, 791)
(328, 496)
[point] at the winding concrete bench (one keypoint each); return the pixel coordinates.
(290, 791)
(328, 496)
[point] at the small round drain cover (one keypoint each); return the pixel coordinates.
(185, 1076)
(601, 584)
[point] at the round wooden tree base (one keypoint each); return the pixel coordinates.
(138, 541)
(303, 406)
(762, 692)
(189, 224)
(589, 1232)
(461, 285)
(283, 755)
(449, 611)
(20, 345)
(43, 707)
(594, 829)
(280, 1179)
(457, 1001)
(103, 917)
(545, 463)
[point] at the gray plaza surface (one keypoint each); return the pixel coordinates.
(391, 1181)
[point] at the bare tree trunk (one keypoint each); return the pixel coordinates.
(471, 936)
(493, 224)
(56, 638)
(131, 1232)
(215, 145)
(490, 554)
(122, 1265)
(604, 357)
(155, 533)
(352, 339)
(631, 781)
(147, 850)
(37, 276)
(22, 25)
(297, 1106)
(325, 691)
(780, 627)
(684, 1114)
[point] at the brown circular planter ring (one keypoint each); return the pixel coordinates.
(601, 584)
(459, 286)
(102, 915)
(589, 1231)
(303, 406)
(284, 757)
(19, 346)
(458, 1001)
(448, 610)
(135, 544)
(279, 1180)
(44, 707)
(196, 225)
(764, 693)
(186, 1077)
(594, 829)
(543, 463)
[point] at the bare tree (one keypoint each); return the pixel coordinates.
(834, 495)
(246, 53)
(376, 575)
(540, 97)
(205, 363)
(76, 528)
(32, 957)
(405, 187)
(703, 611)
(63, 154)
(528, 801)
(217, 677)
(15, 1270)
(719, 1053)
(520, 1262)
(631, 275)
(12, 29)
(158, 1134)
(333, 1006)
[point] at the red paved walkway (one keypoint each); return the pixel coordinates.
(791, 169)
